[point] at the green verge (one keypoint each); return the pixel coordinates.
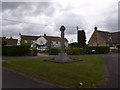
(90, 71)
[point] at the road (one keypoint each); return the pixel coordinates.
(11, 79)
(111, 62)
(19, 81)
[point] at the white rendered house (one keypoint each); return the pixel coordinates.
(41, 40)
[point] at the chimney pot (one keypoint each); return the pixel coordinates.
(19, 33)
(45, 35)
(95, 28)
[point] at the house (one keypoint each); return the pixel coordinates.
(41, 40)
(104, 38)
(10, 41)
(26, 39)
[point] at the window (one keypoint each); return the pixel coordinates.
(56, 42)
(41, 42)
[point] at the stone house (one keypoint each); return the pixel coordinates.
(41, 40)
(104, 38)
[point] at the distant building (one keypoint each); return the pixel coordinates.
(41, 40)
(10, 41)
(104, 38)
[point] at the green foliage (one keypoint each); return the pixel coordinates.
(98, 50)
(43, 51)
(3, 43)
(81, 38)
(33, 52)
(74, 51)
(15, 50)
(54, 51)
(26, 44)
(90, 71)
(73, 44)
(87, 50)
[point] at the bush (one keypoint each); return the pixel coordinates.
(43, 51)
(15, 50)
(73, 44)
(98, 50)
(54, 51)
(33, 52)
(74, 51)
(118, 50)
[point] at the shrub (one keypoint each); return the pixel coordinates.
(98, 50)
(73, 44)
(43, 51)
(54, 51)
(74, 51)
(33, 52)
(15, 50)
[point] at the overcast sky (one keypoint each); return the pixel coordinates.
(47, 17)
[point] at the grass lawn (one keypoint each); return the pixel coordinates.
(90, 71)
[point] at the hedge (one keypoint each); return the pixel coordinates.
(15, 50)
(33, 52)
(98, 50)
(74, 51)
(54, 51)
(87, 50)
(78, 51)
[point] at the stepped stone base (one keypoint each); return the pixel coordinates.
(62, 58)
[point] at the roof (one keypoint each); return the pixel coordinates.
(27, 37)
(115, 36)
(54, 38)
(11, 41)
(51, 38)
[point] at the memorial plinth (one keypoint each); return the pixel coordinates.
(62, 56)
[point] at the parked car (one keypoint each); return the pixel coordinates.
(42, 48)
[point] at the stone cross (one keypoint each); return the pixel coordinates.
(62, 29)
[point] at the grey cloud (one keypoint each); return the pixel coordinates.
(11, 5)
(71, 21)
(119, 15)
(110, 23)
(11, 31)
(22, 9)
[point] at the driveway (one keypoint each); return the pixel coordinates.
(111, 62)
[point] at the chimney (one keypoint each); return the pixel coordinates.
(11, 38)
(45, 35)
(95, 28)
(19, 33)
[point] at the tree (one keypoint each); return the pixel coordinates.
(81, 38)
(23, 43)
(74, 44)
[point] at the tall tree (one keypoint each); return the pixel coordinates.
(81, 38)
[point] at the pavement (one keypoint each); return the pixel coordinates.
(21, 81)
